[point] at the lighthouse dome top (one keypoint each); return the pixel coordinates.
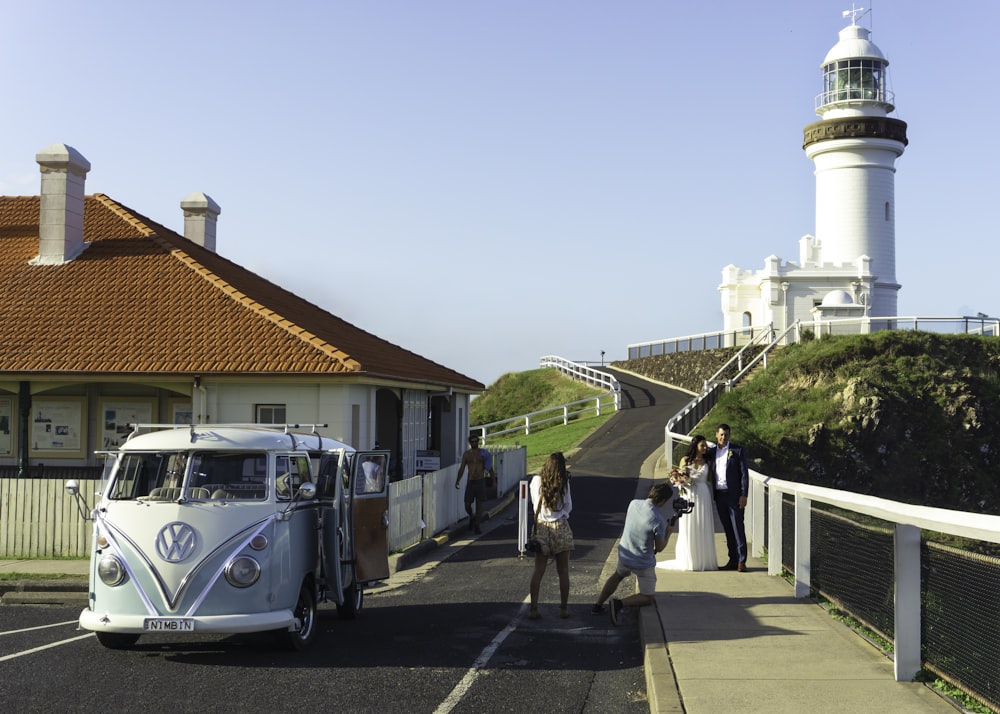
(854, 44)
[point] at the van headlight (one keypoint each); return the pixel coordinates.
(242, 572)
(111, 571)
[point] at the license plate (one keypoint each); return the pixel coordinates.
(168, 624)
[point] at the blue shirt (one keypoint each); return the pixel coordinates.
(644, 525)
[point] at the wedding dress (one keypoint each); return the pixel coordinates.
(695, 546)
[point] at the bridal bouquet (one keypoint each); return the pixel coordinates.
(680, 477)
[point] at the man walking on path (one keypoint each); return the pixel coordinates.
(645, 534)
(475, 487)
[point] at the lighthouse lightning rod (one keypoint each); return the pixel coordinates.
(855, 13)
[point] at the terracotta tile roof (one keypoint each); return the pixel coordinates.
(142, 299)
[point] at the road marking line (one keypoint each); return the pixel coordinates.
(470, 677)
(40, 627)
(45, 647)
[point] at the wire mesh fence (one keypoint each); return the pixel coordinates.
(852, 565)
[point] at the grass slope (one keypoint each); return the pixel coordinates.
(517, 393)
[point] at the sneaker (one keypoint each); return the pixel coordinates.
(597, 610)
(533, 614)
(615, 608)
(564, 612)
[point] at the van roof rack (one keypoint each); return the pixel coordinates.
(289, 429)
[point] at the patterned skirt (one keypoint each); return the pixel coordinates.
(555, 536)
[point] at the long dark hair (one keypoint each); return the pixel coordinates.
(692, 451)
(554, 479)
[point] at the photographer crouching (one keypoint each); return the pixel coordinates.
(645, 534)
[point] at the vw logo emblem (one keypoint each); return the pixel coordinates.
(175, 542)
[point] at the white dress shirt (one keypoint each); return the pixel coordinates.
(721, 454)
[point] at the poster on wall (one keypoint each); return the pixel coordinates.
(56, 426)
(180, 411)
(118, 417)
(6, 420)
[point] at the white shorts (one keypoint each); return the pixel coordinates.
(645, 578)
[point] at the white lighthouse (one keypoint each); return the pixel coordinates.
(848, 268)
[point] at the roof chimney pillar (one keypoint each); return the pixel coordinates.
(200, 216)
(60, 221)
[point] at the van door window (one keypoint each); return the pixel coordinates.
(291, 471)
(372, 476)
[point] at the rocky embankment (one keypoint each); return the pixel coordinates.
(686, 370)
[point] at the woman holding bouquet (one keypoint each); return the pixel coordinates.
(695, 549)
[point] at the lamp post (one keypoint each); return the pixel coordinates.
(784, 305)
(602, 358)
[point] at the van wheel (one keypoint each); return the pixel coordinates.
(117, 640)
(305, 614)
(353, 599)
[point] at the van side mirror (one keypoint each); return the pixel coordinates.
(73, 489)
(305, 492)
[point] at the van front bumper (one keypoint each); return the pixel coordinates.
(222, 624)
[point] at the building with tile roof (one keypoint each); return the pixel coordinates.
(111, 319)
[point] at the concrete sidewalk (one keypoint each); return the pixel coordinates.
(727, 641)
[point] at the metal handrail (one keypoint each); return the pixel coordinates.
(576, 370)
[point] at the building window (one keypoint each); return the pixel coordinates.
(269, 414)
(888, 214)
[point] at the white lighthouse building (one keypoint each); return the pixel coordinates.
(848, 268)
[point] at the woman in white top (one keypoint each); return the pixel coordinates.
(551, 504)
(695, 548)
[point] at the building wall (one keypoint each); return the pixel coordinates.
(97, 415)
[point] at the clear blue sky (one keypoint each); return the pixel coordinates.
(486, 182)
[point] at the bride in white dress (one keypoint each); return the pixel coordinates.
(695, 546)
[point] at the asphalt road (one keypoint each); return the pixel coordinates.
(623, 443)
(453, 638)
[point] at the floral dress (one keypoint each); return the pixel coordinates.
(695, 546)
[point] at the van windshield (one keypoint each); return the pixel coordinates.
(191, 476)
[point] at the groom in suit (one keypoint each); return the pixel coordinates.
(727, 468)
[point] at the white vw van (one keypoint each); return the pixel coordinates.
(233, 528)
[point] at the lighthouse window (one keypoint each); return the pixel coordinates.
(888, 215)
(846, 80)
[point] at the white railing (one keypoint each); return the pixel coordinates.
(978, 325)
(612, 399)
(696, 343)
(908, 520)
(533, 420)
(583, 372)
(680, 424)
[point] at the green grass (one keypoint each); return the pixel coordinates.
(555, 438)
(14, 576)
(518, 393)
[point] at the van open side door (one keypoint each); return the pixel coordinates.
(369, 485)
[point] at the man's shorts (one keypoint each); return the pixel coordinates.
(475, 490)
(645, 578)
